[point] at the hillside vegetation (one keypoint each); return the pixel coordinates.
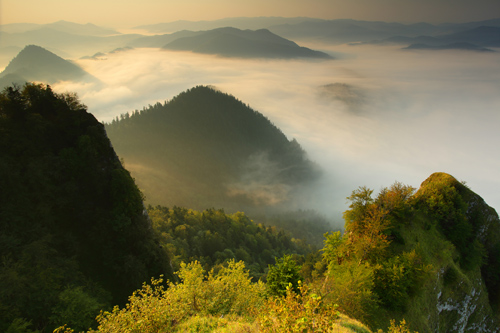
(212, 238)
(74, 237)
(407, 261)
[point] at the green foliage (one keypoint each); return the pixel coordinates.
(301, 311)
(70, 215)
(20, 325)
(228, 291)
(442, 199)
(401, 328)
(332, 251)
(213, 237)
(398, 278)
(351, 285)
(364, 270)
(76, 308)
(156, 309)
(283, 275)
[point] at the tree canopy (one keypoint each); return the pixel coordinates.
(73, 230)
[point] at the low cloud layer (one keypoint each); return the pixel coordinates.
(391, 115)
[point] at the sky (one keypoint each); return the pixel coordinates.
(130, 13)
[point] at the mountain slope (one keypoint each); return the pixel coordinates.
(429, 257)
(465, 290)
(88, 29)
(74, 237)
(206, 149)
(232, 42)
(452, 46)
(35, 63)
(474, 39)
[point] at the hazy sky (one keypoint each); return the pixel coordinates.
(129, 13)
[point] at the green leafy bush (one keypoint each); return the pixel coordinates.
(283, 275)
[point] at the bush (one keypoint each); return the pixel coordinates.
(303, 311)
(282, 275)
(154, 309)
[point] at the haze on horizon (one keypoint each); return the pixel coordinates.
(130, 13)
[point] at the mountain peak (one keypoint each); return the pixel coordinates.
(207, 142)
(34, 63)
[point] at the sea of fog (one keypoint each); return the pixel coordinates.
(372, 116)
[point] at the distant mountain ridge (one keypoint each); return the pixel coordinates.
(206, 149)
(72, 40)
(331, 31)
(88, 29)
(232, 42)
(452, 46)
(477, 39)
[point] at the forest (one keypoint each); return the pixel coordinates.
(81, 252)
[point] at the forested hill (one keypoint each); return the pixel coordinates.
(34, 63)
(206, 149)
(74, 238)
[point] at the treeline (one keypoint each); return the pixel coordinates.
(213, 238)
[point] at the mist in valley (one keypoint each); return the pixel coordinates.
(372, 116)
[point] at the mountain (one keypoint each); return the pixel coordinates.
(344, 30)
(206, 149)
(63, 26)
(75, 237)
(477, 39)
(19, 27)
(10, 79)
(349, 31)
(88, 29)
(452, 46)
(464, 292)
(482, 36)
(430, 257)
(339, 30)
(232, 42)
(35, 63)
(68, 43)
(448, 28)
